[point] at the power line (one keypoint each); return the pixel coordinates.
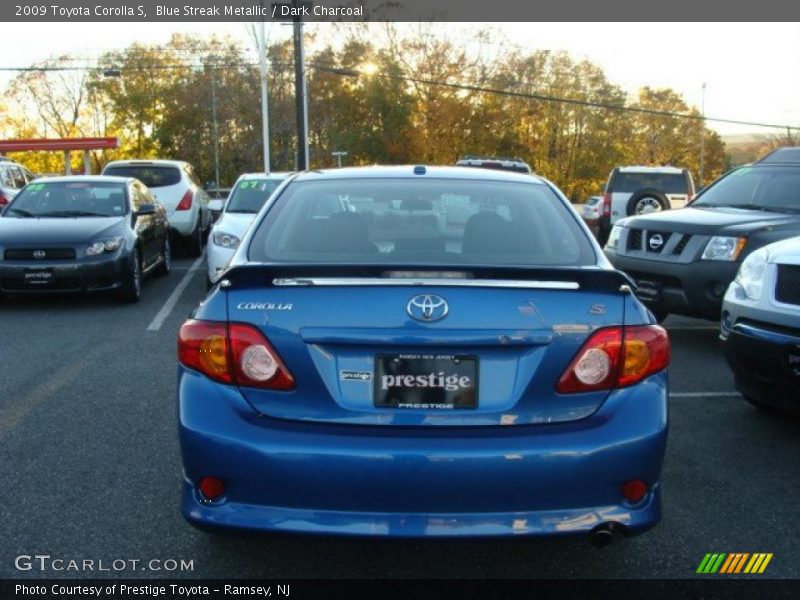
(457, 86)
(557, 99)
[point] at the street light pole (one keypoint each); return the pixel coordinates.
(214, 121)
(703, 136)
(262, 61)
(301, 101)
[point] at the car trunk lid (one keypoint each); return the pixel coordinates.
(348, 334)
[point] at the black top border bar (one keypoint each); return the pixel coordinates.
(478, 11)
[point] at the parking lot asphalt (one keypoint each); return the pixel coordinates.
(90, 465)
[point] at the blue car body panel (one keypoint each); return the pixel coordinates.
(548, 478)
(323, 458)
(521, 338)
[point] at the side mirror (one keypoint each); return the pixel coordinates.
(146, 209)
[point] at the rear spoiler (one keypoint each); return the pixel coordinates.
(338, 275)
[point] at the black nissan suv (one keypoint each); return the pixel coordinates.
(683, 260)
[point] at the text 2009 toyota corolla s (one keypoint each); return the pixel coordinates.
(422, 351)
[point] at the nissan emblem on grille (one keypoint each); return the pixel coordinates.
(427, 308)
(655, 242)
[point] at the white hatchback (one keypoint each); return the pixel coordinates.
(249, 194)
(176, 186)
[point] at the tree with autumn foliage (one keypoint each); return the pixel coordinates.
(425, 98)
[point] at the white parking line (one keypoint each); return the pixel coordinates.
(162, 315)
(705, 395)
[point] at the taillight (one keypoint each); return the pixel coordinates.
(232, 353)
(616, 357)
(3, 199)
(203, 346)
(186, 201)
(606, 205)
(255, 362)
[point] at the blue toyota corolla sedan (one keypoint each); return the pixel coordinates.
(422, 351)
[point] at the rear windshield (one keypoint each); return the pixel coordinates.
(422, 221)
(151, 176)
(760, 188)
(668, 183)
(69, 199)
(250, 195)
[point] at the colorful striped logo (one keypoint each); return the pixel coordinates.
(734, 562)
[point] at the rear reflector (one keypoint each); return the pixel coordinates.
(232, 353)
(211, 487)
(634, 490)
(186, 201)
(616, 357)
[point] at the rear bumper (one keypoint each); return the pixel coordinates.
(99, 274)
(758, 355)
(694, 289)
(437, 481)
(183, 222)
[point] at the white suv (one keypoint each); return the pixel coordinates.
(176, 186)
(641, 190)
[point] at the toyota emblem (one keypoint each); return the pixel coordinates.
(39, 254)
(427, 308)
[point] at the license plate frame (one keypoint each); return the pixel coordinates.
(648, 291)
(38, 276)
(432, 379)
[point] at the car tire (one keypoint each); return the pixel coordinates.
(194, 243)
(166, 254)
(131, 290)
(647, 201)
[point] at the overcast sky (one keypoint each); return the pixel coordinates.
(752, 70)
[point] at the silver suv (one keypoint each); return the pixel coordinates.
(517, 165)
(641, 190)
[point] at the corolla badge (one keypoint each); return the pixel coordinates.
(427, 308)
